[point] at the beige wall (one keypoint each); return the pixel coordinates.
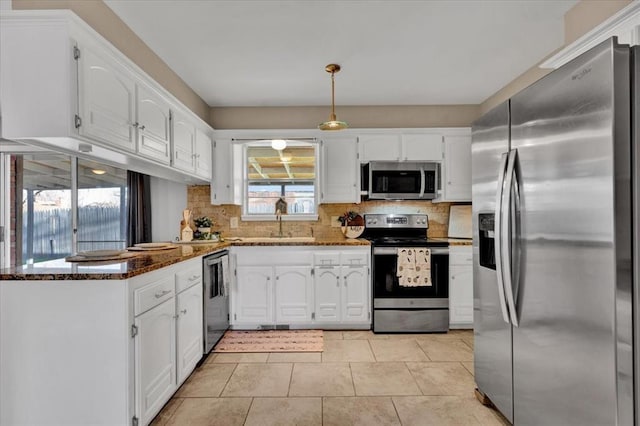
(356, 116)
(580, 19)
(110, 26)
(587, 14)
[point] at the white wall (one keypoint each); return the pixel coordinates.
(168, 199)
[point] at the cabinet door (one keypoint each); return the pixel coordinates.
(340, 171)
(461, 295)
(253, 295)
(422, 147)
(189, 330)
(327, 294)
(183, 142)
(153, 124)
(379, 147)
(203, 154)
(294, 298)
(355, 294)
(155, 359)
(457, 168)
(106, 97)
(221, 191)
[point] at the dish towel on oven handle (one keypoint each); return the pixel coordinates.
(414, 267)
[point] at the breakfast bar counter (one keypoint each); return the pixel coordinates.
(147, 261)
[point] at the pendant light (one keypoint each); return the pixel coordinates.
(333, 123)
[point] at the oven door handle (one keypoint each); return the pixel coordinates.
(422, 182)
(394, 250)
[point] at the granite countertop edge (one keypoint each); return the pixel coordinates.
(147, 262)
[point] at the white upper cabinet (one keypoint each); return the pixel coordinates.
(422, 147)
(221, 178)
(153, 123)
(379, 147)
(184, 135)
(340, 171)
(203, 146)
(66, 86)
(106, 99)
(398, 146)
(456, 170)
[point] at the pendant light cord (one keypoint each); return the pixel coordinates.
(333, 96)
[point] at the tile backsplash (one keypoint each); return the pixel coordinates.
(199, 201)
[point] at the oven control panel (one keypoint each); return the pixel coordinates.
(413, 221)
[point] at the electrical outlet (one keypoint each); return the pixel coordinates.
(233, 222)
(335, 223)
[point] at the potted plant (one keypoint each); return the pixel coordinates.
(203, 224)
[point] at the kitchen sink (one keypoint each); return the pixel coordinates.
(273, 239)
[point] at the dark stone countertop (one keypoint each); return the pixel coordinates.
(145, 261)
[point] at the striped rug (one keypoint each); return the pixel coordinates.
(271, 341)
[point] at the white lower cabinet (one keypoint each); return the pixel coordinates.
(155, 367)
(294, 298)
(355, 294)
(189, 330)
(328, 293)
(460, 287)
(302, 287)
(253, 295)
(167, 333)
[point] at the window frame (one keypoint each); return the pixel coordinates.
(246, 216)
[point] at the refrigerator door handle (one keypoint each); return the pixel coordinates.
(497, 237)
(507, 227)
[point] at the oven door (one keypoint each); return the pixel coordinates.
(386, 284)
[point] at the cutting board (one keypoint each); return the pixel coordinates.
(460, 222)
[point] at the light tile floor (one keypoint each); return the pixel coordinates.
(361, 378)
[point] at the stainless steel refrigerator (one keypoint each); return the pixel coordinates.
(555, 234)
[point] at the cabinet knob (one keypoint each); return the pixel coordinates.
(337, 281)
(141, 127)
(184, 311)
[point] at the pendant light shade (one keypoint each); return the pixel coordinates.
(333, 123)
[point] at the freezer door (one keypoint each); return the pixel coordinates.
(572, 360)
(492, 344)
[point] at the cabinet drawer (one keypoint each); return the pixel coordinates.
(188, 278)
(354, 259)
(326, 259)
(153, 294)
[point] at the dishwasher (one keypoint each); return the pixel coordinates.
(216, 298)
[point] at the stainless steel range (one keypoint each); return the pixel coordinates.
(417, 303)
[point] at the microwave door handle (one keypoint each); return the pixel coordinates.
(421, 182)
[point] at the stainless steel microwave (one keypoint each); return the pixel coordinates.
(389, 180)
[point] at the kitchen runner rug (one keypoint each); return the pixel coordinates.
(271, 341)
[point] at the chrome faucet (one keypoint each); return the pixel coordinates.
(279, 219)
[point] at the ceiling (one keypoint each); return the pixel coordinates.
(273, 53)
